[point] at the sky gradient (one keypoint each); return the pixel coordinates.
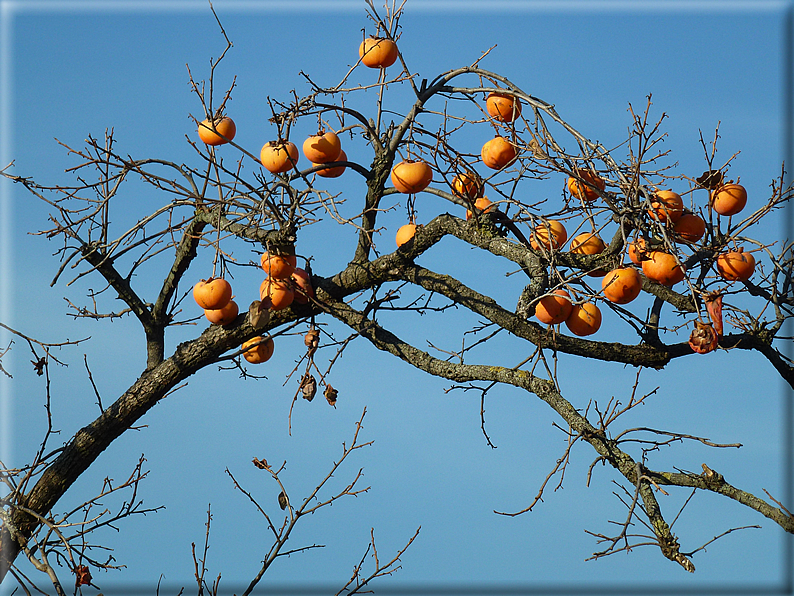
(71, 69)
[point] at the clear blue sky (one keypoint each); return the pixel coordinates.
(77, 68)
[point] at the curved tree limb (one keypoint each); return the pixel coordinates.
(386, 341)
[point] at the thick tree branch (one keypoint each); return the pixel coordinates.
(640, 355)
(712, 481)
(386, 341)
(185, 253)
(83, 449)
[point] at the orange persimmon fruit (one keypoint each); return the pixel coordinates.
(260, 353)
(503, 107)
(223, 316)
(224, 131)
(405, 233)
(550, 233)
(411, 176)
(729, 199)
(663, 267)
(323, 147)
(585, 319)
(622, 285)
(278, 266)
(554, 308)
(497, 153)
(212, 293)
(483, 205)
(736, 265)
(378, 52)
(279, 156)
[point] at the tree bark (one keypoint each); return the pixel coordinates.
(89, 442)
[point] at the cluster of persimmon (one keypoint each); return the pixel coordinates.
(733, 265)
(620, 285)
(413, 176)
(282, 155)
(285, 283)
(323, 148)
(667, 208)
(214, 295)
(623, 284)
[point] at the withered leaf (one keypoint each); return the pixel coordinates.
(308, 386)
(258, 314)
(83, 576)
(282, 500)
(537, 151)
(39, 365)
(331, 395)
(261, 464)
(710, 179)
(714, 309)
(312, 341)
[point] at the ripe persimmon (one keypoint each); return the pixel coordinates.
(503, 107)
(587, 243)
(666, 205)
(583, 190)
(259, 353)
(212, 293)
(497, 153)
(585, 319)
(554, 308)
(278, 266)
(736, 265)
(224, 131)
(279, 156)
(550, 233)
(622, 285)
(690, 227)
(468, 185)
(278, 291)
(663, 267)
(411, 176)
(223, 316)
(483, 205)
(729, 199)
(323, 147)
(336, 171)
(405, 233)
(302, 286)
(636, 251)
(378, 52)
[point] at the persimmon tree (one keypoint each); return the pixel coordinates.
(622, 227)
